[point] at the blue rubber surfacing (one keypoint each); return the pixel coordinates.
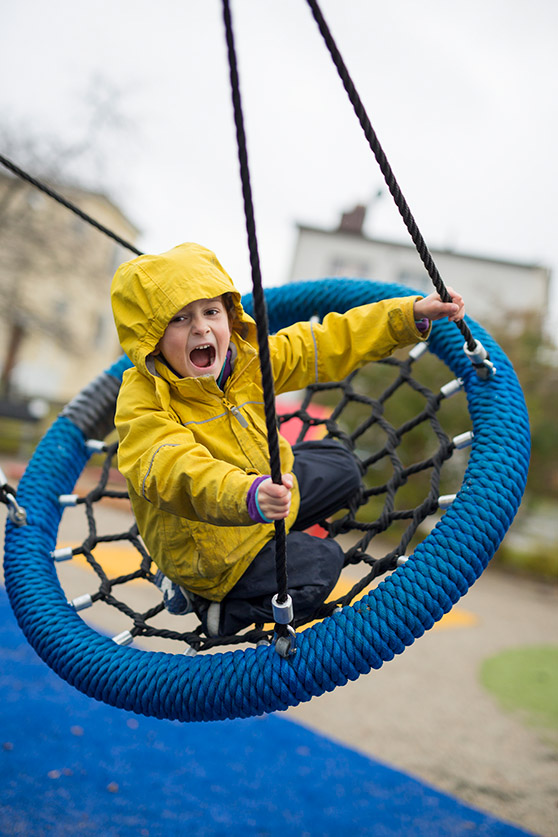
(341, 648)
(70, 765)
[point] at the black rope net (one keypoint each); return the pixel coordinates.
(402, 460)
(383, 527)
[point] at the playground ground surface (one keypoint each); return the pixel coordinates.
(459, 735)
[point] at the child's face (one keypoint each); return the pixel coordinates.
(196, 340)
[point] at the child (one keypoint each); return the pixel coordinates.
(193, 441)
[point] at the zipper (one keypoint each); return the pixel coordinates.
(236, 413)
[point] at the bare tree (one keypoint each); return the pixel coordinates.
(48, 254)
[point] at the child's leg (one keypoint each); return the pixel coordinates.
(313, 567)
(329, 478)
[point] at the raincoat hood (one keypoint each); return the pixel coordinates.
(149, 290)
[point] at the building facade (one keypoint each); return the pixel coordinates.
(57, 329)
(499, 294)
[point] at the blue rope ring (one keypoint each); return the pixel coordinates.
(348, 643)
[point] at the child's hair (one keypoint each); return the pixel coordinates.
(228, 302)
(232, 314)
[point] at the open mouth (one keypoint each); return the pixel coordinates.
(202, 356)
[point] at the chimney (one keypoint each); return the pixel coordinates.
(352, 222)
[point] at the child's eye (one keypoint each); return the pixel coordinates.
(179, 319)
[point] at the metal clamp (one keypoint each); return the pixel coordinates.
(16, 513)
(283, 613)
(286, 645)
(478, 356)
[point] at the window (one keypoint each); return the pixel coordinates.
(418, 280)
(347, 266)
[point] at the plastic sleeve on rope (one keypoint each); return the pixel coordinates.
(401, 559)
(62, 554)
(95, 445)
(452, 387)
(445, 500)
(282, 612)
(81, 602)
(125, 638)
(418, 351)
(463, 439)
(67, 500)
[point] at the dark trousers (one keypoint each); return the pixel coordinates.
(329, 479)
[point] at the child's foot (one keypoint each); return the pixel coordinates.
(209, 614)
(175, 598)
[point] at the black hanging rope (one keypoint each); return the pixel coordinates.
(68, 204)
(260, 309)
(386, 169)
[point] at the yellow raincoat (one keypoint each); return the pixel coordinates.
(190, 451)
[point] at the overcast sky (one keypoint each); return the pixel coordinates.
(463, 97)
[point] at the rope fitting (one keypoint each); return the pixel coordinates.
(449, 389)
(446, 500)
(81, 602)
(16, 513)
(285, 634)
(418, 351)
(285, 645)
(124, 638)
(64, 553)
(283, 612)
(67, 500)
(96, 446)
(463, 440)
(480, 359)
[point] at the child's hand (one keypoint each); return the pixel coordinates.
(433, 308)
(275, 500)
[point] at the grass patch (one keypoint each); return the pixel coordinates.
(525, 680)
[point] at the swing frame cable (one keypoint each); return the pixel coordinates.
(48, 190)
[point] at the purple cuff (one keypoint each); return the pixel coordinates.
(422, 325)
(252, 502)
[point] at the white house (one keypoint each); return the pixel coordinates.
(499, 294)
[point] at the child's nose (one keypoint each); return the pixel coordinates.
(200, 325)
